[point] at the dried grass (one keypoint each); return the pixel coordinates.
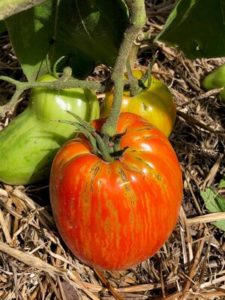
(34, 262)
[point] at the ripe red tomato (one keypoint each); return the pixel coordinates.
(155, 104)
(113, 215)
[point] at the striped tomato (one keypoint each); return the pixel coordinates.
(113, 215)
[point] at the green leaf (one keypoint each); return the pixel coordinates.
(197, 27)
(94, 27)
(86, 32)
(2, 27)
(214, 203)
(31, 39)
(222, 183)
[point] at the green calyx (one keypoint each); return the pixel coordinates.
(108, 148)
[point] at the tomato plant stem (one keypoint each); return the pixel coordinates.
(134, 86)
(56, 85)
(137, 21)
(65, 82)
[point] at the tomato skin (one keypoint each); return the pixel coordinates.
(155, 104)
(115, 215)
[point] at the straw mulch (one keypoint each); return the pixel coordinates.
(36, 264)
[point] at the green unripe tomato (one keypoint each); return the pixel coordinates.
(49, 105)
(216, 79)
(29, 143)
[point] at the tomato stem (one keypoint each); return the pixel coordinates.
(104, 149)
(137, 21)
(133, 54)
(64, 82)
(133, 81)
(147, 76)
